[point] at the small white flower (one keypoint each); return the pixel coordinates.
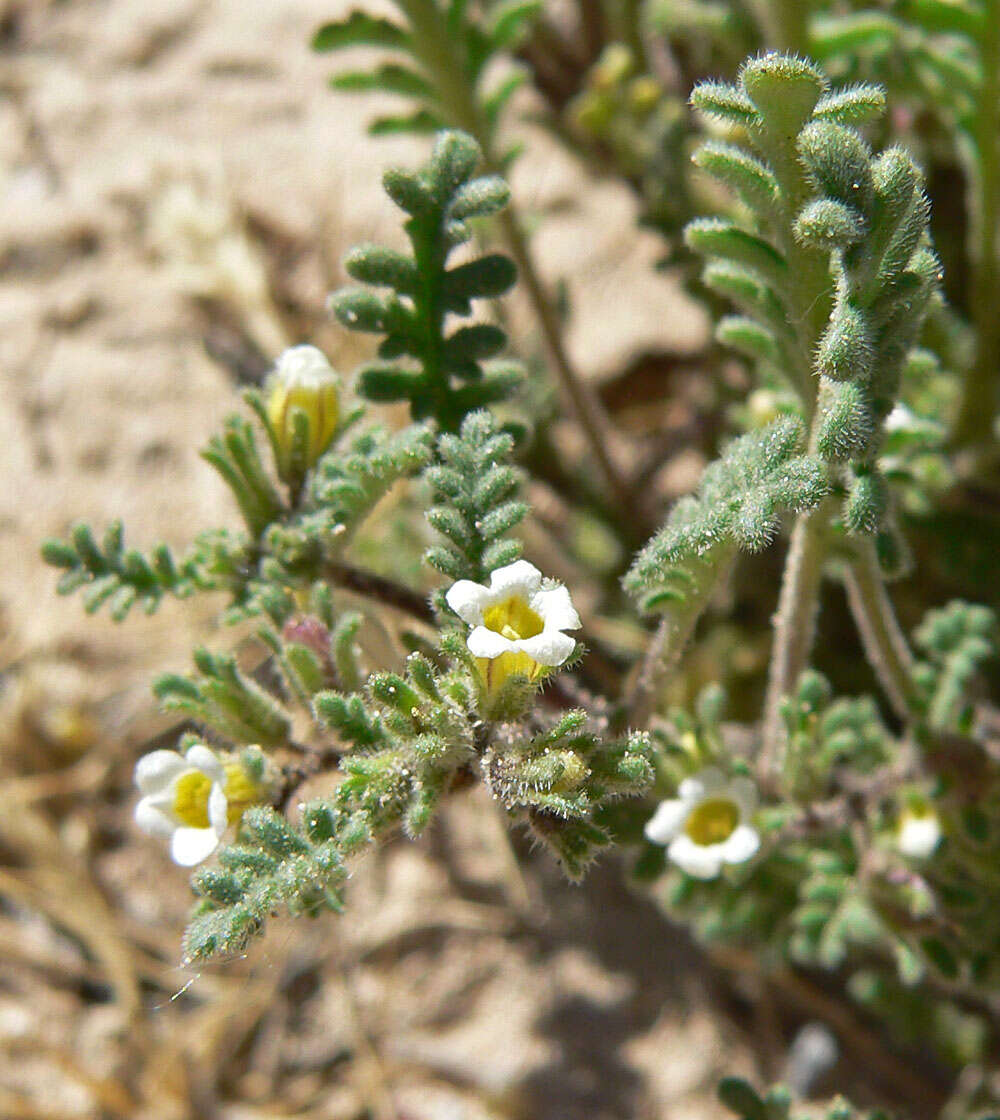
(517, 624)
(707, 825)
(918, 832)
(190, 799)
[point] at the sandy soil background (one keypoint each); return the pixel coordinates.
(459, 985)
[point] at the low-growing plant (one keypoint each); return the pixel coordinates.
(850, 837)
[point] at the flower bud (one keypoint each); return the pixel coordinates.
(303, 381)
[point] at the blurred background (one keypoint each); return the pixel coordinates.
(177, 186)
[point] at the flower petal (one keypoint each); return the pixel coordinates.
(155, 771)
(694, 859)
(551, 647)
(189, 846)
(703, 784)
(488, 643)
(919, 836)
(741, 845)
(667, 821)
(556, 608)
(151, 818)
(218, 809)
(467, 600)
(517, 578)
(207, 761)
(743, 791)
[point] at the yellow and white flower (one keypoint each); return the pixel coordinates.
(707, 825)
(191, 799)
(517, 623)
(918, 831)
(303, 379)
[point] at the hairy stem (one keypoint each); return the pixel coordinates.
(668, 644)
(794, 623)
(979, 403)
(881, 635)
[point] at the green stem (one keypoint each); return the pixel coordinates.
(979, 404)
(881, 635)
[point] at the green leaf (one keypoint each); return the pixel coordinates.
(739, 1097)
(360, 29)
(387, 78)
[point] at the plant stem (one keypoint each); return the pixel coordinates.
(385, 591)
(794, 623)
(587, 408)
(979, 404)
(671, 637)
(881, 635)
(435, 46)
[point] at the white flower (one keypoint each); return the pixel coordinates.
(191, 799)
(517, 624)
(918, 831)
(707, 825)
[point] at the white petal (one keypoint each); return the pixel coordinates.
(556, 608)
(743, 791)
(741, 845)
(551, 647)
(702, 785)
(304, 366)
(488, 643)
(191, 845)
(667, 821)
(697, 861)
(151, 818)
(517, 578)
(218, 809)
(207, 761)
(157, 770)
(467, 600)
(919, 836)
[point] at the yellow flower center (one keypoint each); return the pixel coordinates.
(191, 799)
(241, 791)
(192, 792)
(513, 618)
(713, 821)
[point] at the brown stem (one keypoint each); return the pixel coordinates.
(586, 407)
(387, 591)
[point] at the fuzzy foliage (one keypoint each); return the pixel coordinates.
(409, 299)
(957, 641)
(476, 499)
(284, 545)
(738, 505)
(831, 270)
(561, 777)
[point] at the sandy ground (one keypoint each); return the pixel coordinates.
(457, 986)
